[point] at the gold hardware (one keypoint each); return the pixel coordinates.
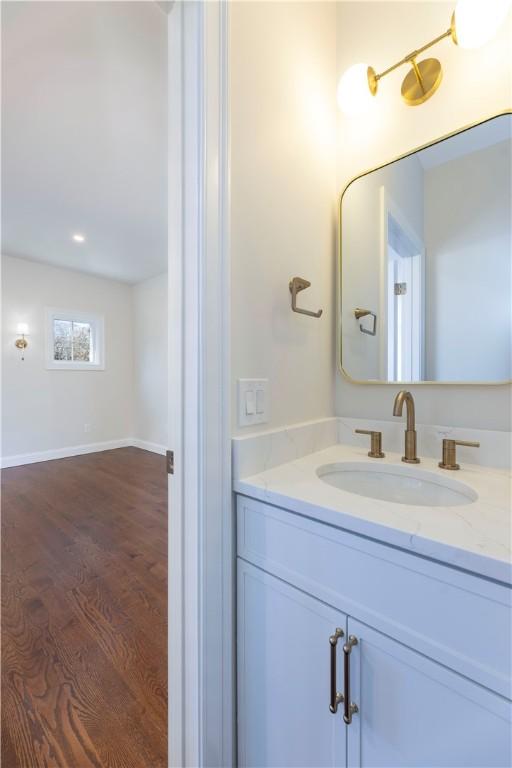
(350, 707)
(359, 313)
(424, 77)
(410, 456)
(453, 30)
(450, 452)
(169, 455)
(345, 189)
(21, 343)
(421, 82)
(373, 80)
(375, 451)
(296, 285)
(336, 698)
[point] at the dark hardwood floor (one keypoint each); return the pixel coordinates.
(84, 612)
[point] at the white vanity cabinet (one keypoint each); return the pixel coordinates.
(429, 671)
(284, 659)
(415, 712)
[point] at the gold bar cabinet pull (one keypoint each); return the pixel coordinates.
(350, 707)
(336, 698)
(450, 452)
(375, 451)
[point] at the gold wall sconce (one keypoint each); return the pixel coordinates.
(21, 343)
(473, 23)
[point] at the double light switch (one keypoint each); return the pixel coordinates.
(253, 402)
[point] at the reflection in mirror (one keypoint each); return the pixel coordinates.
(426, 246)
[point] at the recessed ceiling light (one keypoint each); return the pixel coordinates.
(79, 238)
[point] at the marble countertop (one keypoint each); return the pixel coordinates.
(474, 536)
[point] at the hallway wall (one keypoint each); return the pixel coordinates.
(72, 411)
(150, 361)
(44, 409)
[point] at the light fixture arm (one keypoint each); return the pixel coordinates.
(411, 57)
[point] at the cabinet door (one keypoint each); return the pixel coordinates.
(415, 712)
(284, 667)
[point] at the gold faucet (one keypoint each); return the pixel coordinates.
(410, 433)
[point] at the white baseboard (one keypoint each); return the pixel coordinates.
(147, 446)
(79, 450)
(63, 453)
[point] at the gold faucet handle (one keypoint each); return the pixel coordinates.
(450, 452)
(375, 451)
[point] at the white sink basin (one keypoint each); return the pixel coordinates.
(401, 485)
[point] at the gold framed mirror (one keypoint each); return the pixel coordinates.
(425, 263)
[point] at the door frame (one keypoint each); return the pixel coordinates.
(201, 548)
(389, 206)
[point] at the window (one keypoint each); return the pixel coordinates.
(74, 340)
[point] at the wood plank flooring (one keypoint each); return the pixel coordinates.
(84, 612)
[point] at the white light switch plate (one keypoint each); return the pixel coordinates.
(253, 402)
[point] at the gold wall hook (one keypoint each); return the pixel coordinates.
(296, 285)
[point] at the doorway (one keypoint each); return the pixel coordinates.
(84, 384)
(402, 292)
(405, 304)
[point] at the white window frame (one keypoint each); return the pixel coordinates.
(97, 324)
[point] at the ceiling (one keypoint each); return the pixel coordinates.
(480, 137)
(84, 135)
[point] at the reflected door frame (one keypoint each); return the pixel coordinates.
(389, 207)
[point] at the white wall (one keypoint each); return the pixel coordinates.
(47, 409)
(150, 355)
(468, 269)
(476, 84)
(283, 202)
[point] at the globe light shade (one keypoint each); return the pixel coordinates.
(354, 94)
(475, 22)
(22, 329)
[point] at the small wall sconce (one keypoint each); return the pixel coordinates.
(21, 343)
(473, 23)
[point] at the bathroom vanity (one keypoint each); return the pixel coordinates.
(374, 586)
(371, 631)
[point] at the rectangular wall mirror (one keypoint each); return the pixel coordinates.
(426, 274)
